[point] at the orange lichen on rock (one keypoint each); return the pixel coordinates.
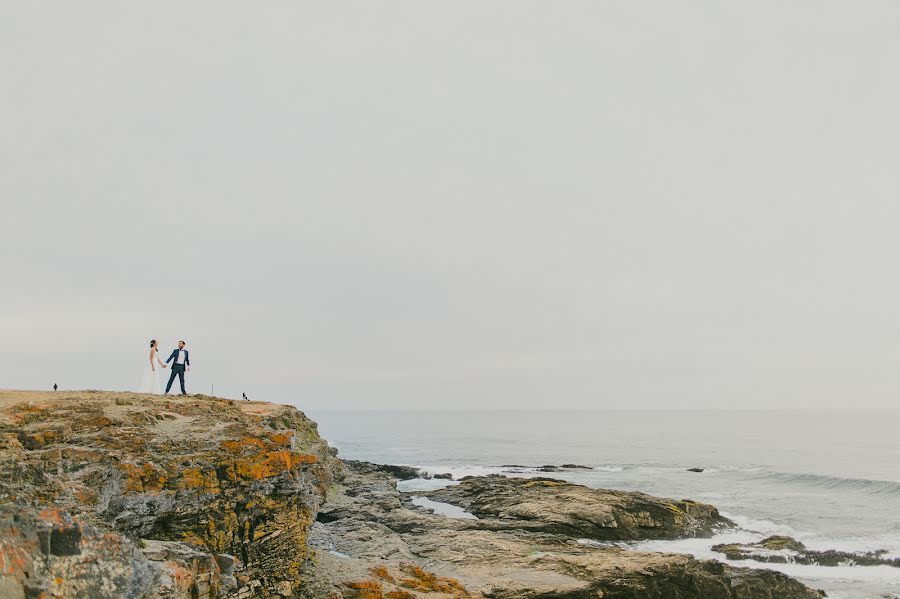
(142, 478)
(382, 573)
(196, 478)
(80, 455)
(268, 464)
(399, 594)
(422, 580)
(282, 439)
(365, 589)
(51, 516)
(239, 445)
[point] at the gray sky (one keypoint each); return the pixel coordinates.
(419, 204)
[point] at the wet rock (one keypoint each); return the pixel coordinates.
(784, 549)
(445, 476)
(695, 469)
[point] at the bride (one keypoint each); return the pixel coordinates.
(150, 383)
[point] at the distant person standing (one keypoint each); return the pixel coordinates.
(150, 382)
(55, 388)
(179, 366)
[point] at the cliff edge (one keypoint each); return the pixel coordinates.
(125, 495)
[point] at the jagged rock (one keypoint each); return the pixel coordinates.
(398, 472)
(555, 506)
(126, 495)
(444, 475)
(783, 549)
(696, 469)
(88, 564)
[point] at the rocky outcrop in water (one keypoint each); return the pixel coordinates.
(556, 506)
(784, 550)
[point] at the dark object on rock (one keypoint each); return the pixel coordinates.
(65, 540)
(696, 469)
(55, 387)
(781, 550)
(245, 396)
(445, 476)
(398, 472)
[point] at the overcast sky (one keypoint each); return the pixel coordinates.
(419, 204)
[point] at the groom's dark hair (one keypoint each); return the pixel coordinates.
(182, 342)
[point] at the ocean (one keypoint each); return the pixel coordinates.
(831, 479)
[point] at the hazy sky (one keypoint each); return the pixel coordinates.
(420, 204)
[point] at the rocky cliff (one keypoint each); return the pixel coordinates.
(122, 495)
(111, 495)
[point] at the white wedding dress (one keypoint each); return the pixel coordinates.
(150, 383)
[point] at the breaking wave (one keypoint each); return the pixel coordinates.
(878, 487)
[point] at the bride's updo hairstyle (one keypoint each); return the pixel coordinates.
(152, 342)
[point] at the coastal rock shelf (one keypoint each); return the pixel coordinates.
(367, 528)
(109, 495)
(555, 506)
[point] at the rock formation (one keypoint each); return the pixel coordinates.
(782, 549)
(555, 506)
(122, 495)
(118, 495)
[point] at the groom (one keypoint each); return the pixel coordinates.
(182, 362)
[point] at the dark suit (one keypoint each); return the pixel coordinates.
(178, 369)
